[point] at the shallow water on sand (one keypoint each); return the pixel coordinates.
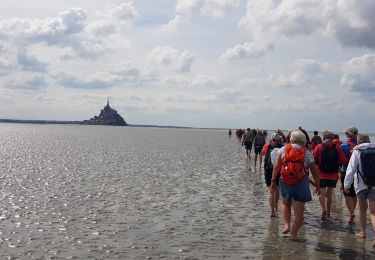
(91, 192)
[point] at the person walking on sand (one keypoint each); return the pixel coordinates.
(347, 147)
(270, 156)
(308, 142)
(328, 158)
(247, 140)
(239, 134)
(230, 133)
(315, 140)
(259, 141)
(283, 137)
(361, 170)
(294, 163)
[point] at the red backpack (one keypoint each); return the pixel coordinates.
(293, 168)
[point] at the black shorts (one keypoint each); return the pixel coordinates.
(268, 178)
(257, 149)
(351, 190)
(327, 183)
(248, 146)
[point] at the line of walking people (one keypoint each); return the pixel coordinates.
(289, 160)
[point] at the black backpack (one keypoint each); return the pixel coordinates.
(268, 166)
(367, 158)
(248, 139)
(329, 162)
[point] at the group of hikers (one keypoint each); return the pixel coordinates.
(288, 160)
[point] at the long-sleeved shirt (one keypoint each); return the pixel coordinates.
(354, 164)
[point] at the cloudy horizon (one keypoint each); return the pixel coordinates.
(199, 63)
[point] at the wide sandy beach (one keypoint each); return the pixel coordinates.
(87, 192)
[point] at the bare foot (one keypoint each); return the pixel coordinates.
(351, 219)
(296, 239)
(324, 216)
(360, 235)
(286, 230)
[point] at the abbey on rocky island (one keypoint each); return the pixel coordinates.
(108, 116)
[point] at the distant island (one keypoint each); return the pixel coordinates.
(107, 116)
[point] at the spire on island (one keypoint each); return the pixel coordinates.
(107, 116)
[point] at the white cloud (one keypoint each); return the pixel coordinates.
(49, 30)
(71, 21)
(196, 82)
(311, 67)
(290, 50)
(186, 8)
(267, 18)
(27, 82)
(98, 80)
(214, 8)
(102, 27)
(167, 56)
(245, 51)
(125, 12)
(128, 72)
(121, 74)
(353, 23)
(172, 25)
(30, 63)
(305, 71)
(295, 79)
(7, 64)
(359, 75)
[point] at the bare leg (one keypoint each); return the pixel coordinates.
(372, 214)
(286, 210)
(322, 200)
(298, 209)
(260, 160)
(276, 197)
(273, 199)
(351, 203)
(362, 217)
(329, 201)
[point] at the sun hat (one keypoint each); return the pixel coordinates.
(351, 130)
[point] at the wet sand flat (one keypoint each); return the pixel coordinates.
(91, 192)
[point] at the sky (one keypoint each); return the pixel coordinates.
(201, 63)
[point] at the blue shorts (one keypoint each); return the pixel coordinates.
(299, 192)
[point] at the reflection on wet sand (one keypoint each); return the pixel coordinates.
(69, 192)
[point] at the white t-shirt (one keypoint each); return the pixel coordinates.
(274, 155)
(309, 157)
